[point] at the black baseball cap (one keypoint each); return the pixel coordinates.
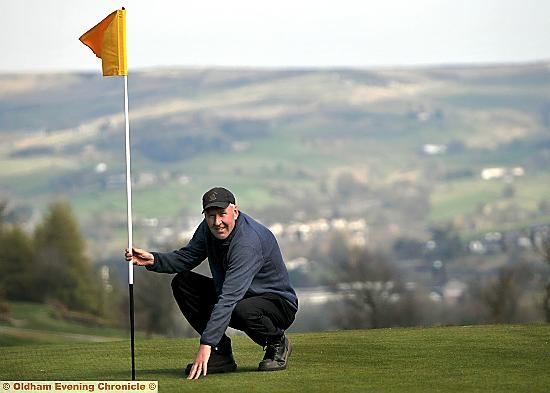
(217, 197)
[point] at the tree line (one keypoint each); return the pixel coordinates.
(375, 292)
(49, 265)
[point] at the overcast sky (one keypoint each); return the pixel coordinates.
(42, 35)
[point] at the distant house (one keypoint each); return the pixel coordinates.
(492, 173)
(501, 173)
(431, 149)
(453, 290)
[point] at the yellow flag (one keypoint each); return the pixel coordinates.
(107, 40)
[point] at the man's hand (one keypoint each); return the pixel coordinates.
(200, 365)
(139, 257)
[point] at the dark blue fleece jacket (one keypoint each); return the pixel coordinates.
(253, 265)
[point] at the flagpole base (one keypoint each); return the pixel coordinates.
(131, 290)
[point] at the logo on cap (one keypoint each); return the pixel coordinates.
(217, 197)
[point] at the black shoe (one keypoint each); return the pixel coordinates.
(219, 362)
(276, 355)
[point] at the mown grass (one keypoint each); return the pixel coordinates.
(504, 358)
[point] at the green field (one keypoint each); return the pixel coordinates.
(33, 324)
(503, 358)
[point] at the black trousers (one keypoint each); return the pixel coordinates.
(263, 318)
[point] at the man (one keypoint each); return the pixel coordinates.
(249, 289)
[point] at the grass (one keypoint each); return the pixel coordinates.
(33, 324)
(503, 358)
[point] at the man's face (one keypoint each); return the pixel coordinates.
(221, 221)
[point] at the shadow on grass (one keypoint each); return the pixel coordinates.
(247, 370)
(175, 372)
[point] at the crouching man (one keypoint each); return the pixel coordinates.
(249, 289)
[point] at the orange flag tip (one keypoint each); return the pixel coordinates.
(107, 40)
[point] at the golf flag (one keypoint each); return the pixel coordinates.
(107, 40)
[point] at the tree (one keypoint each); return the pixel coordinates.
(4, 306)
(18, 278)
(373, 293)
(155, 305)
(407, 248)
(542, 245)
(502, 294)
(63, 269)
(446, 243)
(16, 258)
(3, 211)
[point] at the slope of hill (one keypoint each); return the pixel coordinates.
(33, 324)
(399, 147)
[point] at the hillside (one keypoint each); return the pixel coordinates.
(34, 324)
(400, 148)
(504, 358)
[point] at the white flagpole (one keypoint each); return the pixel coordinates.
(129, 211)
(128, 181)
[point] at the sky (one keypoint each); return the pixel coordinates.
(42, 35)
